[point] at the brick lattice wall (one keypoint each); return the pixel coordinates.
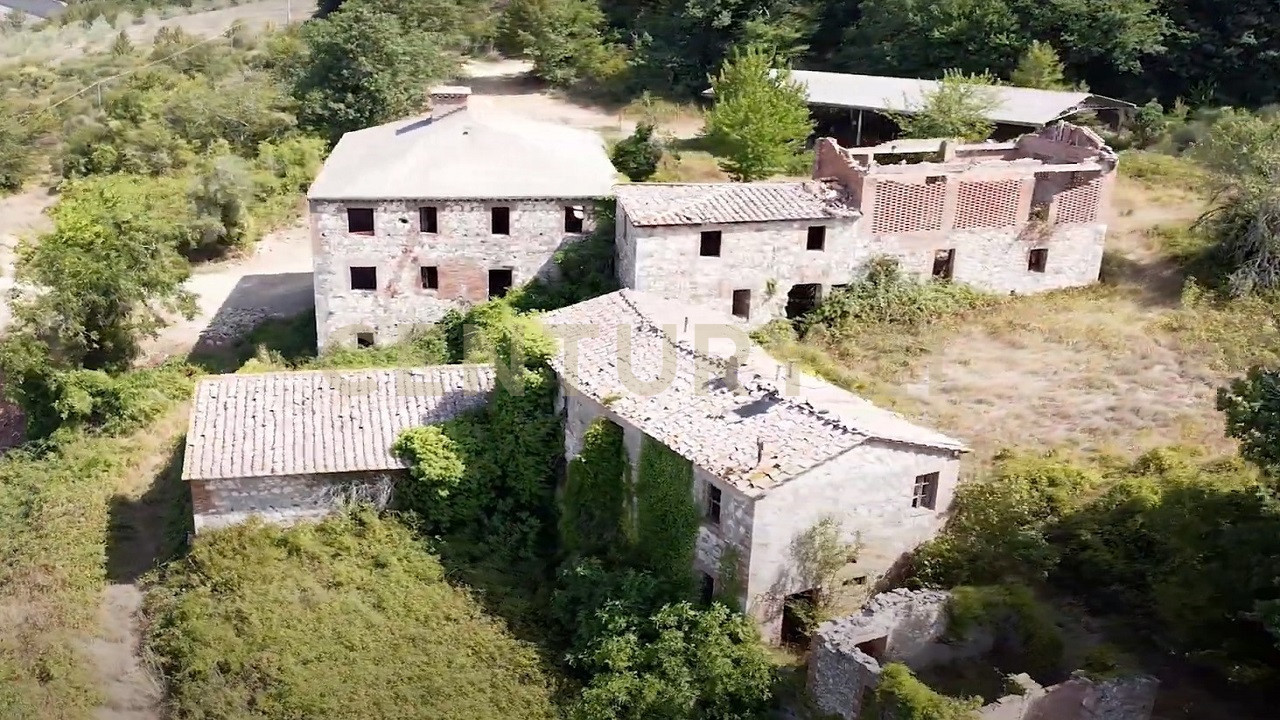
(987, 204)
(908, 207)
(1079, 202)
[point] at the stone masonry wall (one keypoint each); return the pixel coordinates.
(284, 499)
(755, 256)
(463, 250)
(734, 529)
(869, 490)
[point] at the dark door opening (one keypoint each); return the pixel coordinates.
(499, 282)
(800, 618)
(802, 299)
(944, 262)
(706, 589)
(742, 304)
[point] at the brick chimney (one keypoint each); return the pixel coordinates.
(446, 99)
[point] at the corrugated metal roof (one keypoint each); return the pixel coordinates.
(1015, 106)
(466, 155)
(322, 421)
(647, 204)
(672, 390)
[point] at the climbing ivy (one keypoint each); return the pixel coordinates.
(595, 518)
(666, 518)
(901, 696)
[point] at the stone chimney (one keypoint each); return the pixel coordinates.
(731, 366)
(446, 99)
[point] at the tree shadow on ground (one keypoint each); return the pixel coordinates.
(146, 531)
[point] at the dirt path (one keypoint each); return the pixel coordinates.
(20, 215)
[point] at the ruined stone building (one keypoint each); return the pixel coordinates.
(287, 446)
(1023, 216)
(774, 451)
(415, 217)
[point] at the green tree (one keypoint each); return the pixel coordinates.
(680, 663)
(1039, 68)
(919, 38)
(19, 129)
(760, 119)
(365, 68)
(122, 46)
(105, 277)
(637, 155)
(1251, 407)
(958, 108)
(562, 38)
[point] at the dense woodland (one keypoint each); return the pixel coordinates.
(571, 584)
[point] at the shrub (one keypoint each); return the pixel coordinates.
(348, 618)
(666, 518)
(637, 155)
(1037, 642)
(900, 696)
(596, 502)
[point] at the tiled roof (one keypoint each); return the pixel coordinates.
(306, 422)
(766, 431)
(699, 203)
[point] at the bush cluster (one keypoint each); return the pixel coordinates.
(1186, 550)
(899, 695)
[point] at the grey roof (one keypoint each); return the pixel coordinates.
(1014, 106)
(755, 437)
(696, 203)
(465, 154)
(323, 421)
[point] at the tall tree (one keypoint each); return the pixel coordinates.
(1039, 68)
(957, 109)
(106, 277)
(760, 119)
(921, 38)
(365, 68)
(561, 37)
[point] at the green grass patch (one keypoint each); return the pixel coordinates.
(348, 618)
(1159, 171)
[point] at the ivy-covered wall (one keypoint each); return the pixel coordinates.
(595, 510)
(666, 517)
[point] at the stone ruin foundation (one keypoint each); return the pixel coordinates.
(910, 627)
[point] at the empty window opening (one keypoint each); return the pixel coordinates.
(364, 278)
(573, 219)
(714, 497)
(875, 647)
(817, 238)
(944, 263)
(428, 220)
(360, 221)
(742, 304)
(430, 278)
(500, 223)
(802, 299)
(799, 617)
(364, 340)
(1037, 260)
(935, 179)
(499, 282)
(710, 244)
(706, 588)
(925, 492)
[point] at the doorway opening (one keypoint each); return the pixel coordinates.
(802, 299)
(800, 617)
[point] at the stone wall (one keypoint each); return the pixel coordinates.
(769, 258)
(463, 250)
(285, 499)
(869, 490)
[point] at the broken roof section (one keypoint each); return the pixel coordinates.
(655, 364)
(322, 421)
(1014, 105)
(649, 204)
(465, 155)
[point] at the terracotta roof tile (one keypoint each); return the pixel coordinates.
(705, 203)
(305, 422)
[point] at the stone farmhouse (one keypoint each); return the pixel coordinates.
(415, 217)
(773, 451)
(1023, 216)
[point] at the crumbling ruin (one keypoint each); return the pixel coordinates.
(912, 628)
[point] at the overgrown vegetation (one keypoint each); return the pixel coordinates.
(1035, 644)
(412, 645)
(1183, 550)
(760, 119)
(596, 502)
(957, 109)
(899, 695)
(666, 518)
